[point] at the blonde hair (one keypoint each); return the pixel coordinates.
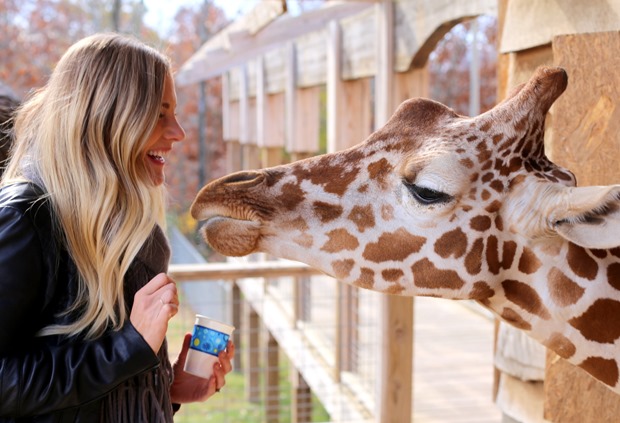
(82, 137)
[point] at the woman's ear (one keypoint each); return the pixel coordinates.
(589, 216)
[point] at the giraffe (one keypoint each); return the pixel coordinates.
(443, 205)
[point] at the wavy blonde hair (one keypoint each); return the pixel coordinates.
(82, 137)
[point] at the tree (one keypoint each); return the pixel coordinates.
(450, 61)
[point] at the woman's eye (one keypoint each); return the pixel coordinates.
(427, 196)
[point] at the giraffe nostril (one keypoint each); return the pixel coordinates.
(251, 177)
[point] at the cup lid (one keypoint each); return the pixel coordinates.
(211, 323)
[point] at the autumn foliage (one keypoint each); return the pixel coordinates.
(35, 33)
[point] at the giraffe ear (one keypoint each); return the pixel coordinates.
(589, 216)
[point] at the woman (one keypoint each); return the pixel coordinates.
(84, 297)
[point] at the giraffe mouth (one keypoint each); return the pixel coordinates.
(231, 236)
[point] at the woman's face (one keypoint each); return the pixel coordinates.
(166, 132)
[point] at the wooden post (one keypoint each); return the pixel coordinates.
(301, 401)
(272, 380)
(251, 367)
(237, 322)
(395, 369)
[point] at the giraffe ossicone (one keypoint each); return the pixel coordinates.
(450, 206)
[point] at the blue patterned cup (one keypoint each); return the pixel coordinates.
(208, 339)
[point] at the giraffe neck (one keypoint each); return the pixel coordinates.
(568, 298)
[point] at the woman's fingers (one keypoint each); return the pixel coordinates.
(154, 305)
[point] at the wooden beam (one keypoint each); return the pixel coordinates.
(251, 349)
(395, 371)
(272, 380)
(215, 58)
(232, 270)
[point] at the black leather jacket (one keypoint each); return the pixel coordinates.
(51, 378)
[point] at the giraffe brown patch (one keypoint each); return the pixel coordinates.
(342, 268)
(362, 189)
(387, 212)
(484, 153)
(529, 263)
(481, 291)
(492, 254)
(600, 322)
(508, 254)
(397, 246)
(474, 178)
(366, 279)
(379, 171)
(493, 207)
(615, 252)
(299, 223)
(605, 370)
(485, 195)
(561, 345)
(613, 275)
(304, 240)
(517, 180)
(467, 162)
(394, 289)
(497, 138)
(335, 178)
(452, 243)
(426, 275)
(486, 126)
(497, 186)
(563, 290)
(291, 196)
(473, 259)
(512, 317)
(326, 212)
(392, 275)
(499, 223)
(480, 223)
(599, 253)
(363, 217)
(525, 297)
(487, 177)
(580, 262)
(339, 240)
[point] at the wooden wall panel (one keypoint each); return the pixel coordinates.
(586, 139)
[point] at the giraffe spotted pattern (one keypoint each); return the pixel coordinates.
(449, 206)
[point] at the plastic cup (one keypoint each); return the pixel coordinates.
(209, 337)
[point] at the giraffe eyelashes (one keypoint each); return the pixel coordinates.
(428, 196)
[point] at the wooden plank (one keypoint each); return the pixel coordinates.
(395, 370)
(235, 270)
(301, 398)
(272, 380)
(334, 85)
(211, 61)
(251, 347)
(307, 121)
(384, 14)
(586, 123)
(535, 23)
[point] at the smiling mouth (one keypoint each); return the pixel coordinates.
(157, 156)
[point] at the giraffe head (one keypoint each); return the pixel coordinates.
(424, 206)
(444, 205)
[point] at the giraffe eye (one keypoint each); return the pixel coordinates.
(427, 196)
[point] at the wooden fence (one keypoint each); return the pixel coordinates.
(354, 62)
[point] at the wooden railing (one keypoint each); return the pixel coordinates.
(339, 395)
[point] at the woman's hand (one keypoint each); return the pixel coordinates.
(154, 305)
(189, 388)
